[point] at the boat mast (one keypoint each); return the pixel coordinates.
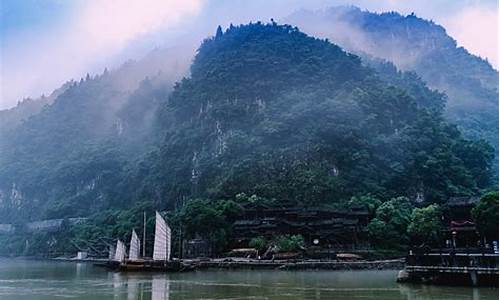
(144, 237)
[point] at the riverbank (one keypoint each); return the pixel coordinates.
(392, 264)
(254, 264)
(295, 264)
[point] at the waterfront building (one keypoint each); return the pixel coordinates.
(320, 227)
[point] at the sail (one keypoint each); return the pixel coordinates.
(120, 251)
(135, 246)
(161, 248)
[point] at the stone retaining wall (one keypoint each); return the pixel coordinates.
(303, 265)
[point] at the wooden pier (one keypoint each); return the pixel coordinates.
(450, 267)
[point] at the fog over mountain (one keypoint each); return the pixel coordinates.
(97, 129)
(414, 44)
(46, 43)
(316, 110)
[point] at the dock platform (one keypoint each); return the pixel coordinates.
(450, 267)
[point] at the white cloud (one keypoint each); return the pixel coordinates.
(37, 62)
(109, 25)
(101, 33)
(476, 29)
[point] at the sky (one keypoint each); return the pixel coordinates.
(44, 43)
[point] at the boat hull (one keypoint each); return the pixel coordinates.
(147, 266)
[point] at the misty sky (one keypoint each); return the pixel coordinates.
(44, 43)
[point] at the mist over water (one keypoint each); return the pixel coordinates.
(35, 280)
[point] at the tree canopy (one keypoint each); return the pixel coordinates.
(267, 111)
(485, 215)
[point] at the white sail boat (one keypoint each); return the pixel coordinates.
(162, 244)
(135, 246)
(120, 251)
(161, 252)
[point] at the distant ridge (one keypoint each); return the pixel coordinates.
(422, 46)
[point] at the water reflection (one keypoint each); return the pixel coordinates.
(418, 292)
(140, 286)
(32, 280)
(133, 289)
(78, 270)
(117, 280)
(160, 289)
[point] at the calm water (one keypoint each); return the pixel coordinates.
(34, 280)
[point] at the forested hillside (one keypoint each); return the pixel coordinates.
(270, 111)
(415, 44)
(13, 117)
(267, 114)
(267, 110)
(67, 160)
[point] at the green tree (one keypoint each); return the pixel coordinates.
(389, 227)
(485, 215)
(425, 224)
(219, 32)
(259, 243)
(287, 243)
(199, 216)
(370, 202)
(208, 219)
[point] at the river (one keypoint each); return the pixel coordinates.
(44, 280)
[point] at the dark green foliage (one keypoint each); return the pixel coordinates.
(421, 46)
(267, 111)
(425, 224)
(389, 227)
(259, 243)
(281, 243)
(485, 215)
(75, 156)
(270, 111)
(288, 243)
(96, 234)
(369, 202)
(410, 82)
(200, 217)
(47, 156)
(207, 219)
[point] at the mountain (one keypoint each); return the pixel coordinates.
(57, 150)
(266, 110)
(271, 111)
(170, 63)
(421, 46)
(11, 118)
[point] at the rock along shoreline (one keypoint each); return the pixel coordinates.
(392, 264)
(296, 264)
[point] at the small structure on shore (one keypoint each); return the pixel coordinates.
(462, 257)
(196, 248)
(81, 255)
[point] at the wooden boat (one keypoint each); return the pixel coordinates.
(160, 261)
(155, 266)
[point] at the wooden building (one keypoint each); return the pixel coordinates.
(322, 227)
(460, 230)
(196, 248)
